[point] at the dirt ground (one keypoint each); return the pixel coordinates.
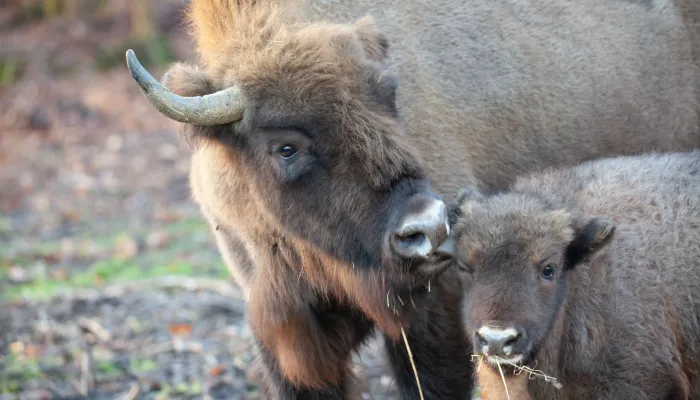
(111, 285)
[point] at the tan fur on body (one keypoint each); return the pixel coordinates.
(627, 323)
(488, 90)
(492, 386)
(492, 89)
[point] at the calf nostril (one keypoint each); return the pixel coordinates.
(498, 341)
(481, 339)
(512, 340)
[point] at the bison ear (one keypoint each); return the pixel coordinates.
(590, 235)
(374, 41)
(187, 81)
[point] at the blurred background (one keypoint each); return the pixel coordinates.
(111, 285)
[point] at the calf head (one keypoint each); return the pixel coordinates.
(515, 252)
(299, 153)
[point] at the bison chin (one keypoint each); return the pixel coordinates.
(391, 293)
(430, 272)
(400, 298)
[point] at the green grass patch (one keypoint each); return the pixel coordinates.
(108, 369)
(9, 386)
(142, 365)
(188, 225)
(99, 274)
(11, 69)
(4, 225)
(188, 252)
(14, 368)
(38, 10)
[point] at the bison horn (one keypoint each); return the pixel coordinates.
(218, 108)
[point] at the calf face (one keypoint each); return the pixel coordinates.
(515, 253)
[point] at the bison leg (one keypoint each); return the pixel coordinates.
(275, 386)
(310, 357)
(440, 349)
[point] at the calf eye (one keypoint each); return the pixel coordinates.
(463, 267)
(287, 151)
(548, 272)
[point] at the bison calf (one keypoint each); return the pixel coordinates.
(590, 274)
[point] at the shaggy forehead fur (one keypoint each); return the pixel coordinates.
(519, 220)
(296, 74)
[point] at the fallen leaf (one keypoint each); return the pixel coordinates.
(32, 351)
(18, 275)
(51, 258)
(17, 347)
(180, 329)
(68, 248)
(71, 215)
(216, 371)
(165, 215)
(125, 247)
(59, 274)
(157, 239)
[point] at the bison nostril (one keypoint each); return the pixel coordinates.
(412, 244)
(414, 237)
(421, 231)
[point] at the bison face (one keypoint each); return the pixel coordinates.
(300, 156)
(515, 255)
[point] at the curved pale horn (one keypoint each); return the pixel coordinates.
(218, 108)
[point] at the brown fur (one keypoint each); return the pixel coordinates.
(491, 89)
(619, 319)
(484, 96)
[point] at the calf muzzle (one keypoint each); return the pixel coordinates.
(505, 341)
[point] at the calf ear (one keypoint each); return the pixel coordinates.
(590, 235)
(465, 195)
(469, 194)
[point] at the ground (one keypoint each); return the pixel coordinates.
(111, 284)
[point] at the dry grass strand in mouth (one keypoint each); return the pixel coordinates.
(413, 364)
(503, 378)
(531, 372)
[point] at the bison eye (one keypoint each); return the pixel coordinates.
(548, 272)
(287, 151)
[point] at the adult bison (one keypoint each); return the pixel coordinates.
(312, 163)
(591, 274)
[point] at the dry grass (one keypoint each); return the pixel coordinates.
(530, 372)
(503, 378)
(410, 355)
